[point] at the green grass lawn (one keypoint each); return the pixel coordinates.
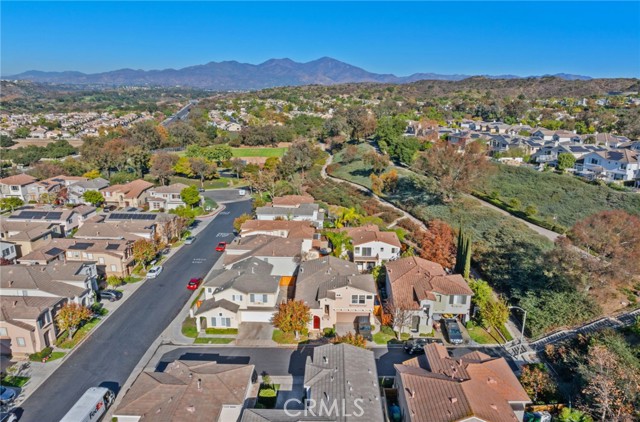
(286, 338)
(11, 381)
(56, 356)
(383, 338)
(213, 340)
(65, 343)
(189, 328)
(259, 152)
(221, 330)
(222, 182)
(482, 336)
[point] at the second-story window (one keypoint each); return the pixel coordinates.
(357, 299)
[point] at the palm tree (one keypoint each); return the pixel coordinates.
(347, 216)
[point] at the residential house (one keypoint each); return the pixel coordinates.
(283, 253)
(281, 228)
(85, 213)
(164, 227)
(132, 194)
(246, 293)
(188, 390)
(292, 207)
(341, 385)
(336, 293)
(112, 257)
(66, 219)
(27, 236)
(8, 251)
(372, 247)
(26, 323)
(17, 186)
(98, 230)
(542, 133)
(459, 139)
(614, 165)
(166, 197)
(424, 289)
(472, 387)
(76, 191)
(566, 136)
(550, 151)
(73, 280)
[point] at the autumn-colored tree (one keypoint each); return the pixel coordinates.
(376, 184)
(183, 166)
(144, 251)
(162, 165)
(92, 174)
(239, 221)
(292, 316)
(390, 181)
(400, 312)
(70, 316)
(438, 244)
(454, 172)
(360, 123)
(611, 236)
(202, 168)
(537, 382)
(347, 217)
(378, 162)
(352, 339)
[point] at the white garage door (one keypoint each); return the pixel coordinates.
(256, 316)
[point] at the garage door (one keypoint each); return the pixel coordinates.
(348, 317)
(257, 316)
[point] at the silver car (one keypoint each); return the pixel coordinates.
(189, 240)
(154, 271)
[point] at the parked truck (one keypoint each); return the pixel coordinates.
(91, 407)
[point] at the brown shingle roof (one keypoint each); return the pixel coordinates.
(25, 307)
(372, 233)
(292, 200)
(294, 229)
(174, 188)
(18, 180)
(24, 230)
(263, 245)
(132, 189)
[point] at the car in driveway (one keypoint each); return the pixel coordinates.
(7, 394)
(363, 327)
(110, 295)
(452, 330)
(8, 416)
(154, 271)
(415, 346)
(189, 240)
(194, 283)
(221, 246)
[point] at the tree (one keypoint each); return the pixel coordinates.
(162, 165)
(390, 181)
(22, 132)
(92, 174)
(347, 217)
(220, 153)
(292, 316)
(463, 254)
(376, 184)
(495, 314)
(573, 415)
(46, 169)
(361, 124)
(190, 196)
(340, 242)
(144, 251)
(138, 159)
(240, 220)
(11, 203)
(437, 244)
(183, 166)
(238, 166)
(454, 172)
(352, 339)
(378, 162)
(182, 134)
(71, 316)
(93, 197)
(566, 161)
(537, 382)
(114, 281)
(6, 141)
(401, 313)
(146, 135)
(203, 169)
(482, 293)
(299, 158)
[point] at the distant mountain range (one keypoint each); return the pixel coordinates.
(232, 75)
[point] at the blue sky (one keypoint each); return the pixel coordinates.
(600, 39)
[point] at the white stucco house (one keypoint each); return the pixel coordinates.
(613, 165)
(372, 247)
(283, 254)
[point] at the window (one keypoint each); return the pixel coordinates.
(357, 299)
(366, 252)
(209, 290)
(594, 161)
(3, 332)
(70, 254)
(113, 267)
(394, 250)
(357, 250)
(21, 341)
(457, 300)
(84, 254)
(101, 260)
(236, 298)
(15, 188)
(382, 249)
(255, 298)
(369, 297)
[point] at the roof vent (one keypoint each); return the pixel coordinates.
(412, 393)
(494, 407)
(191, 409)
(453, 400)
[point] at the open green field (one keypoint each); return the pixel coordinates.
(220, 183)
(259, 152)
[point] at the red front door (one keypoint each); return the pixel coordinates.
(316, 322)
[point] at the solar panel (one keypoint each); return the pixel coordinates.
(81, 246)
(54, 251)
(112, 247)
(132, 216)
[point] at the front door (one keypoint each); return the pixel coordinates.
(316, 322)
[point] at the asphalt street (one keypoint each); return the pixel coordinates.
(278, 361)
(110, 354)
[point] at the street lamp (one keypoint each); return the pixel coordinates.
(524, 321)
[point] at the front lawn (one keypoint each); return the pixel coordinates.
(286, 338)
(11, 381)
(213, 340)
(221, 330)
(189, 328)
(65, 343)
(55, 356)
(481, 336)
(222, 182)
(259, 152)
(385, 335)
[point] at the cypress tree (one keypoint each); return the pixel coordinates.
(467, 258)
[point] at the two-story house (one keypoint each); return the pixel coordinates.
(166, 197)
(65, 218)
(372, 247)
(472, 387)
(294, 208)
(336, 293)
(8, 252)
(17, 186)
(424, 289)
(132, 194)
(76, 191)
(246, 293)
(616, 165)
(281, 228)
(27, 236)
(283, 254)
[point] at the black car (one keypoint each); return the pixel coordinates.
(416, 346)
(110, 295)
(452, 329)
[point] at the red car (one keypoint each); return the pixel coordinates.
(194, 283)
(221, 246)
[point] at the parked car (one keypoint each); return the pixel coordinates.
(242, 192)
(8, 416)
(189, 240)
(154, 271)
(363, 327)
(452, 330)
(194, 283)
(7, 394)
(201, 190)
(416, 346)
(110, 295)
(166, 251)
(221, 246)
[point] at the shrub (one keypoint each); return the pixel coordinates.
(267, 396)
(42, 354)
(329, 332)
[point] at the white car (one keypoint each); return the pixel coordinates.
(189, 240)
(154, 271)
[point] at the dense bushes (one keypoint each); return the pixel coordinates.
(32, 154)
(42, 354)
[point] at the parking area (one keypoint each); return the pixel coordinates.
(226, 195)
(254, 333)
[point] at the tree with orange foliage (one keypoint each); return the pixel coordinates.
(352, 339)
(438, 244)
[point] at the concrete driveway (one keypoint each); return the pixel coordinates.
(222, 196)
(255, 334)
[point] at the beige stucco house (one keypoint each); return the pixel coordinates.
(27, 236)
